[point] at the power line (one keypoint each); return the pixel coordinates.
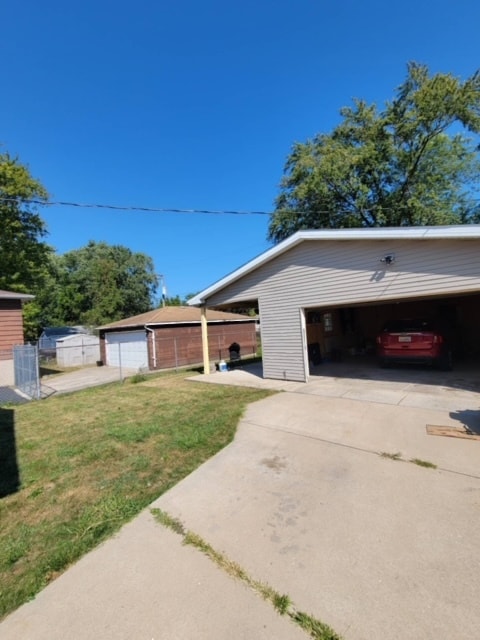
(113, 207)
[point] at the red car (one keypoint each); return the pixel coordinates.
(414, 341)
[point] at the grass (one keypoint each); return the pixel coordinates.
(424, 463)
(391, 456)
(417, 461)
(90, 461)
(281, 602)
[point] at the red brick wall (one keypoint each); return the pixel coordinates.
(11, 327)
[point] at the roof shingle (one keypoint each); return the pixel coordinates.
(176, 315)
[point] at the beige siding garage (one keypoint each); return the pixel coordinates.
(325, 269)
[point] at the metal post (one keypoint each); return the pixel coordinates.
(120, 361)
(175, 349)
(37, 370)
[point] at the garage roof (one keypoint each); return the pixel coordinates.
(12, 295)
(176, 315)
(467, 231)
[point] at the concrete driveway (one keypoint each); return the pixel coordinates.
(83, 378)
(303, 499)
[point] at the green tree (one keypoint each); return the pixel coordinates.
(410, 164)
(176, 301)
(97, 284)
(24, 254)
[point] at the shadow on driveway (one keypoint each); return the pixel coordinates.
(465, 376)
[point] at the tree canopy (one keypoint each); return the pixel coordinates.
(23, 252)
(177, 301)
(410, 164)
(97, 284)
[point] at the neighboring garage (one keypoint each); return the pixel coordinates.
(126, 349)
(171, 337)
(326, 294)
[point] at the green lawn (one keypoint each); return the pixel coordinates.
(90, 461)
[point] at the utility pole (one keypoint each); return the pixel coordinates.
(163, 288)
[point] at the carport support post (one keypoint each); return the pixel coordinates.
(206, 360)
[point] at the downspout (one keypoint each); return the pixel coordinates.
(154, 353)
(206, 360)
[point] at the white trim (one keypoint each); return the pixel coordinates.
(154, 346)
(464, 232)
(11, 295)
(303, 327)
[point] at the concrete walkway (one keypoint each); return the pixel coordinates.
(304, 500)
(83, 378)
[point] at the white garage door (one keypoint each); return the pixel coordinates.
(127, 348)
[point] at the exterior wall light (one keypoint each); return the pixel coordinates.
(388, 260)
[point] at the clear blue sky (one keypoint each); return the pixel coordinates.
(195, 105)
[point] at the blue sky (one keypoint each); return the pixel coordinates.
(195, 105)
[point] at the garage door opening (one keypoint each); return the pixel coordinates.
(348, 334)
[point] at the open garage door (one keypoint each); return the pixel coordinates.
(334, 333)
(127, 349)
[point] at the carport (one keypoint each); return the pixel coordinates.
(324, 295)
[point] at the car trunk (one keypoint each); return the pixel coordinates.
(411, 341)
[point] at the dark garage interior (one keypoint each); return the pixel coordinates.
(336, 334)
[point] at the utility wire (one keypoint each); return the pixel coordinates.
(113, 207)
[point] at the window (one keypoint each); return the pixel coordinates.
(327, 322)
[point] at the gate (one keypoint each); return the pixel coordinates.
(27, 371)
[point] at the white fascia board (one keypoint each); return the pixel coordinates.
(466, 231)
(7, 295)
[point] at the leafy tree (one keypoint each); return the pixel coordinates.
(24, 254)
(410, 164)
(176, 301)
(97, 284)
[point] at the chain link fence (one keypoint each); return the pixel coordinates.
(20, 366)
(177, 352)
(27, 370)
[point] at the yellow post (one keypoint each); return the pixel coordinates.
(206, 360)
